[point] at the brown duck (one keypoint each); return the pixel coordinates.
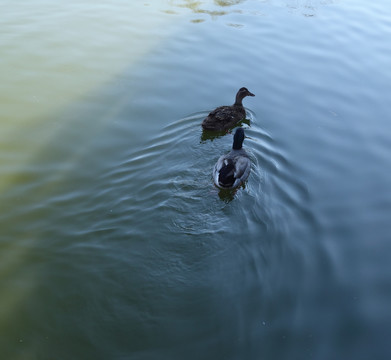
(225, 117)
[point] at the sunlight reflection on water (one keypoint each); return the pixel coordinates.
(58, 55)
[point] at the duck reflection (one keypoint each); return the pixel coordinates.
(199, 7)
(227, 195)
(228, 2)
(211, 135)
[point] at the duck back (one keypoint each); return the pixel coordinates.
(224, 117)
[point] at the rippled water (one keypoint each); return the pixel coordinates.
(115, 244)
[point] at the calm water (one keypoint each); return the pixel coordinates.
(115, 244)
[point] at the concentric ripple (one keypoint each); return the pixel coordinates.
(169, 183)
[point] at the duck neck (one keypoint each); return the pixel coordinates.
(237, 145)
(238, 101)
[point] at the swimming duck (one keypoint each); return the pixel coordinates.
(225, 117)
(232, 169)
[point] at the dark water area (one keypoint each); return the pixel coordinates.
(115, 243)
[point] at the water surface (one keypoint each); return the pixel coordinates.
(115, 244)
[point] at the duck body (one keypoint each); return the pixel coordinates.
(225, 117)
(232, 169)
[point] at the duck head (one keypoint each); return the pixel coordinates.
(238, 139)
(241, 94)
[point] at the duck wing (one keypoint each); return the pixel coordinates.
(242, 168)
(220, 113)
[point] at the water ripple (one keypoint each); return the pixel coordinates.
(169, 183)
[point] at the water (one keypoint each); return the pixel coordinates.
(115, 244)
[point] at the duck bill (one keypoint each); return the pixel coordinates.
(250, 94)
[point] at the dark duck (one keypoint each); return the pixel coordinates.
(232, 169)
(225, 117)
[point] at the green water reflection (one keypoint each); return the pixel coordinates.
(53, 55)
(202, 7)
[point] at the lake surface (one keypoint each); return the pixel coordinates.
(114, 242)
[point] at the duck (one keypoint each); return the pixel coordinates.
(225, 117)
(232, 169)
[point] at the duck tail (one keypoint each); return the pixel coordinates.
(226, 174)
